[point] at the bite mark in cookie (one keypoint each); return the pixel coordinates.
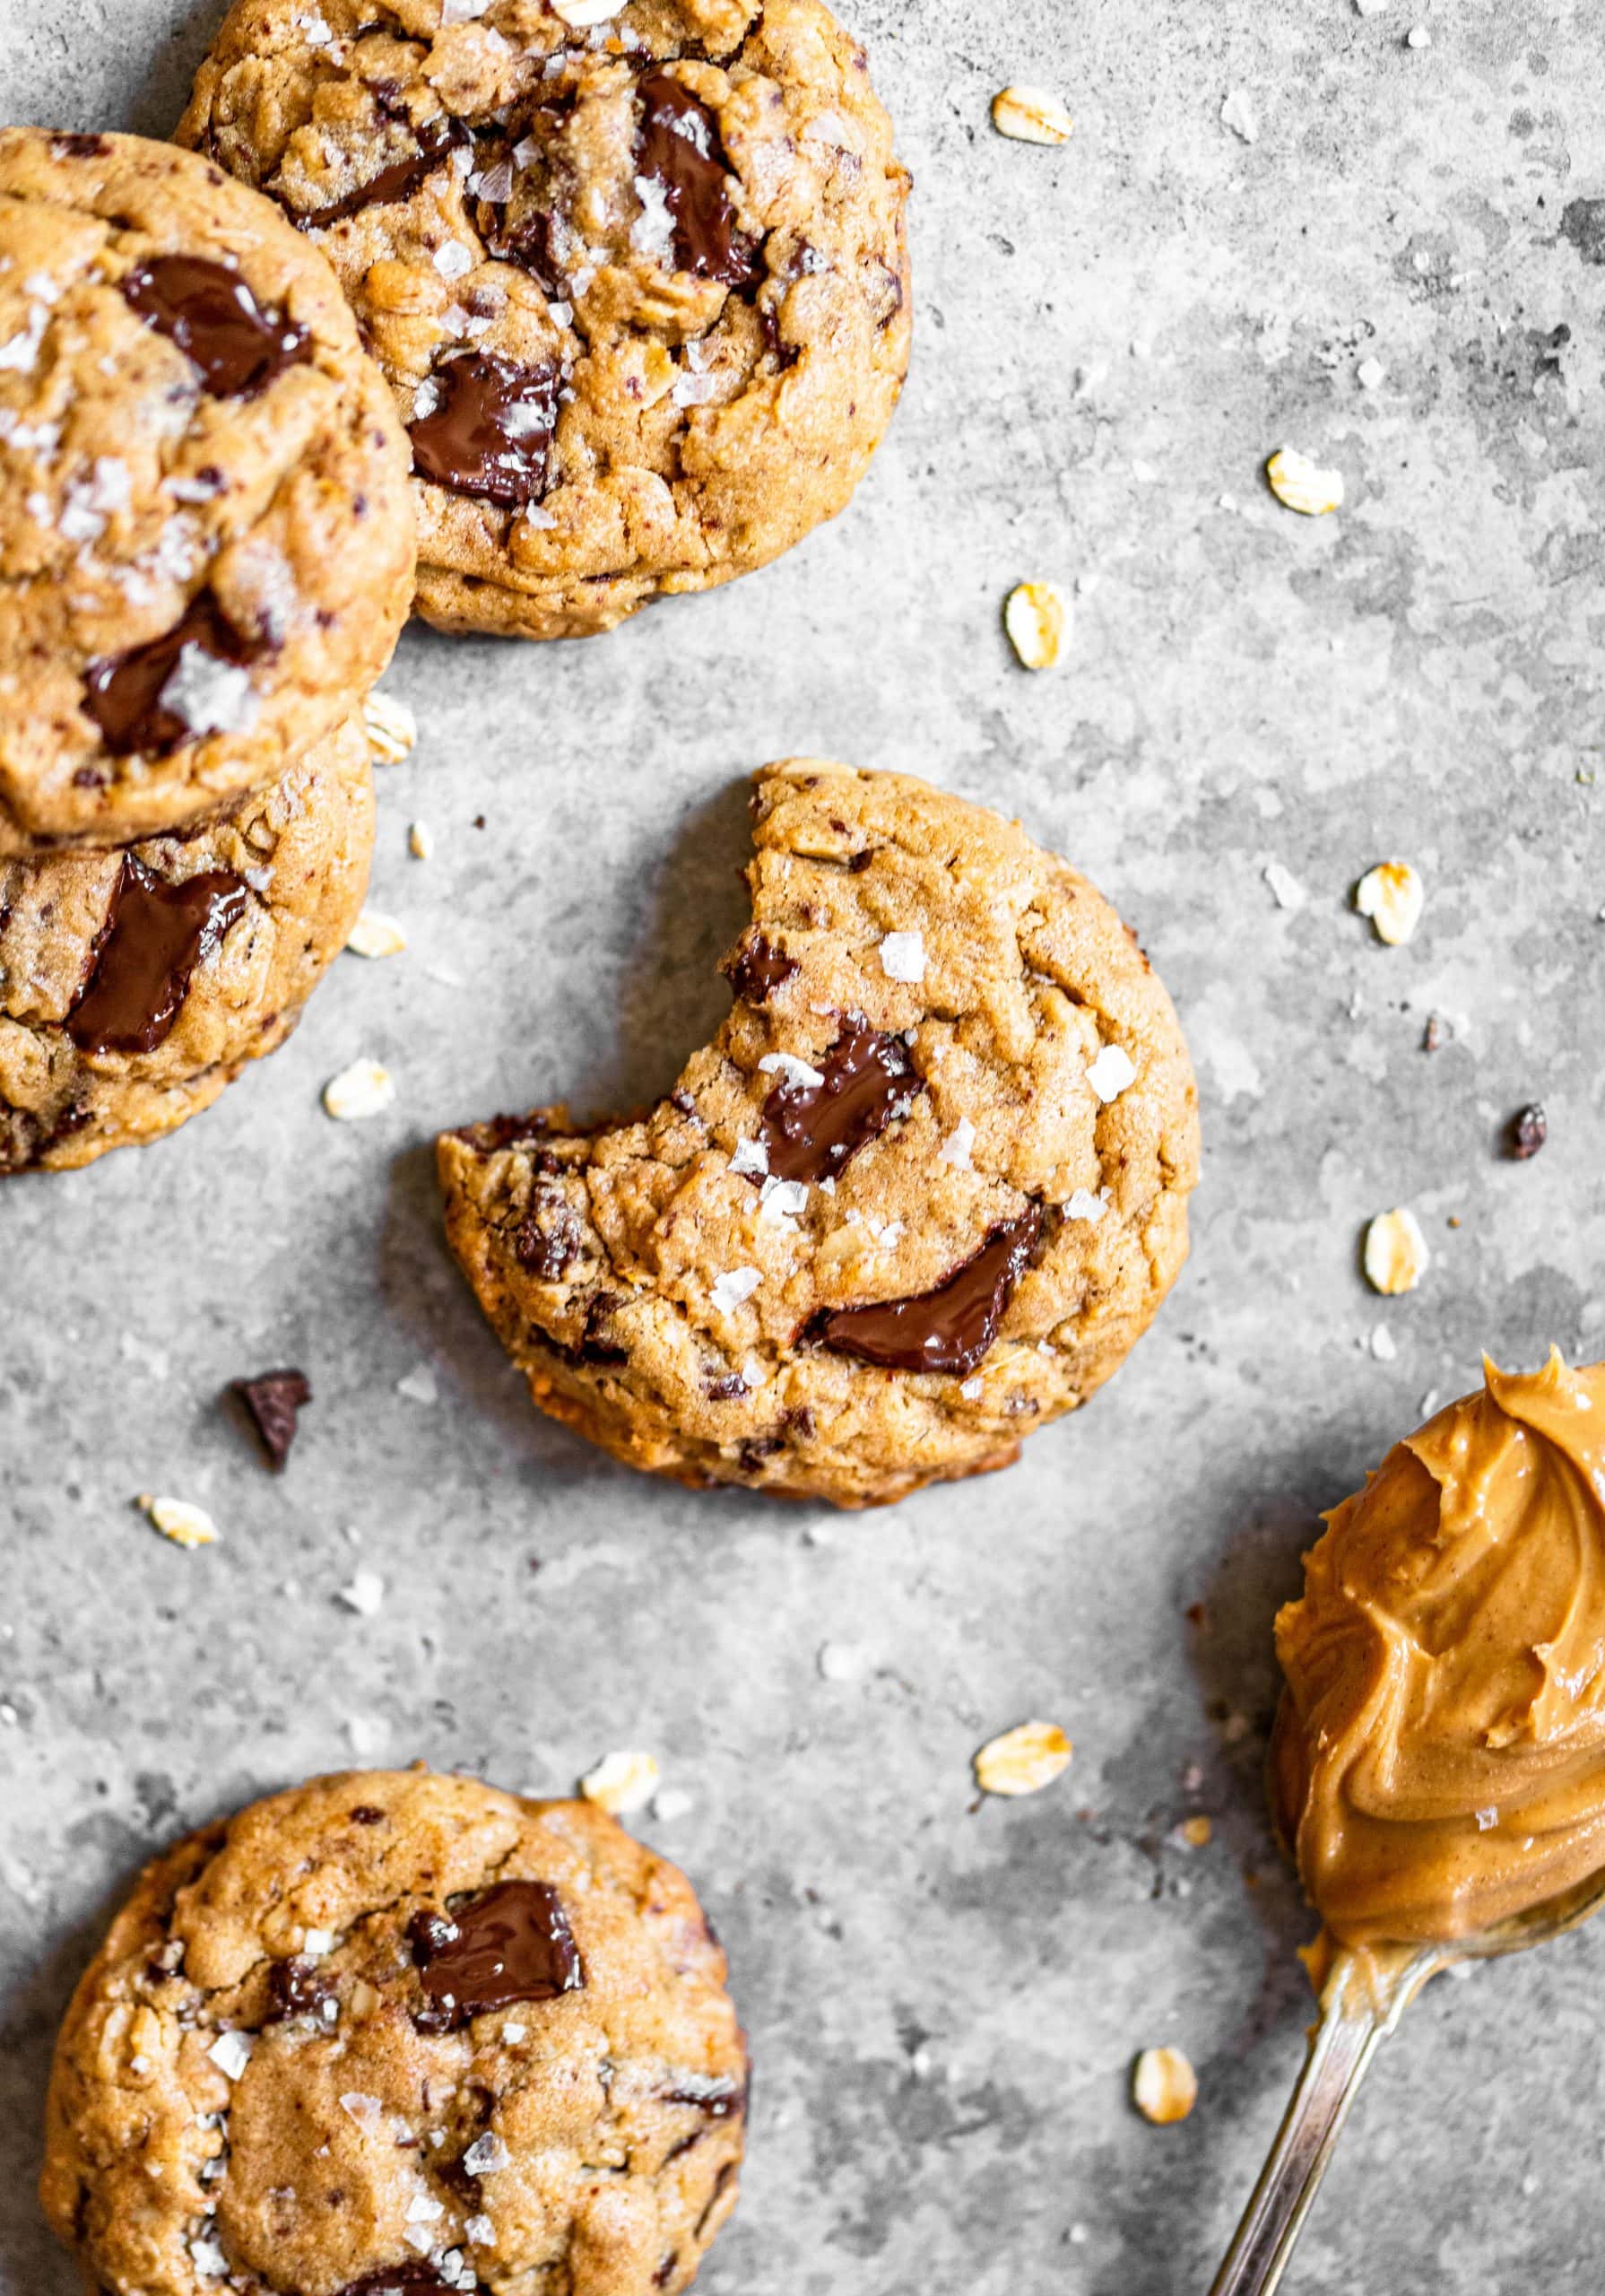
(924, 1190)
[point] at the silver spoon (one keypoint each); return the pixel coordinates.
(1363, 2000)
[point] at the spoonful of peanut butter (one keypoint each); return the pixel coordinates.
(1438, 1761)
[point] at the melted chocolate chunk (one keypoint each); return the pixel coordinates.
(490, 432)
(511, 1943)
(366, 1815)
(154, 936)
(398, 181)
(416, 2278)
(678, 150)
(123, 691)
(812, 1130)
(272, 1401)
(948, 1329)
(759, 968)
(216, 321)
(296, 1989)
(552, 1238)
(717, 2098)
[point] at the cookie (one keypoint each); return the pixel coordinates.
(135, 983)
(921, 1195)
(206, 528)
(391, 2032)
(640, 279)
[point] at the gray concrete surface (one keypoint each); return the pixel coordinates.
(944, 1999)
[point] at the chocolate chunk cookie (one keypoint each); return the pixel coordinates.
(922, 1194)
(640, 279)
(206, 531)
(397, 2032)
(135, 983)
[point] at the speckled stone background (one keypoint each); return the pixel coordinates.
(945, 1999)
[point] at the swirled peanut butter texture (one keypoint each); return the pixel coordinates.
(1439, 1759)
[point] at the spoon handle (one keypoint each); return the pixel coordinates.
(1356, 2015)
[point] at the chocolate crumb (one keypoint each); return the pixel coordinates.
(1528, 1131)
(273, 1401)
(1434, 1037)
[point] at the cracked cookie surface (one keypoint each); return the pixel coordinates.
(135, 984)
(922, 1193)
(207, 536)
(641, 290)
(397, 2031)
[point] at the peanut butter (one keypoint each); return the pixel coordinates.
(1439, 1759)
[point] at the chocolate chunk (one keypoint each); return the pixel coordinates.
(273, 1401)
(667, 2270)
(416, 2278)
(677, 149)
(725, 1386)
(757, 968)
(490, 431)
(78, 147)
(154, 936)
(123, 691)
(948, 1329)
(718, 2099)
(1529, 1130)
(552, 1238)
(398, 181)
(812, 1130)
(511, 1943)
(366, 1815)
(296, 1989)
(216, 321)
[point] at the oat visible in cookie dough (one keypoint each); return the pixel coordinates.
(639, 279)
(135, 985)
(922, 1193)
(206, 530)
(390, 2031)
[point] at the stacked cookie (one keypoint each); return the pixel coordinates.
(209, 546)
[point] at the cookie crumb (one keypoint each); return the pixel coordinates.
(177, 1519)
(1034, 617)
(1302, 485)
(1164, 2086)
(1197, 1833)
(373, 936)
(391, 728)
(621, 1783)
(363, 1090)
(1031, 116)
(1392, 895)
(1396, 1252)
(1023, 1761)
(420, 840)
